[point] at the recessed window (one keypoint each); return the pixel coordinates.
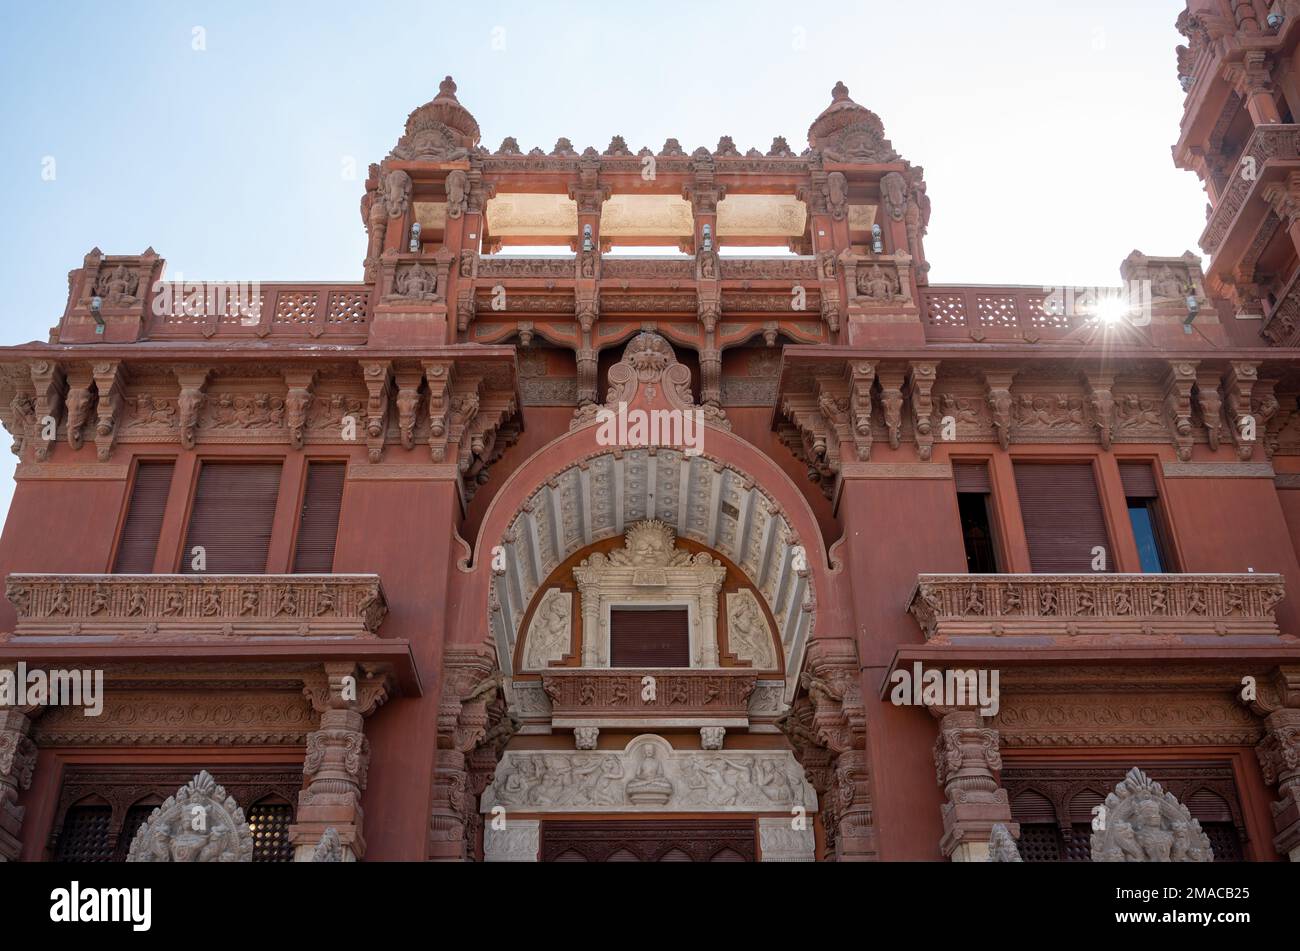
(1063, 518)
(974, 507)
(658, 637)
(1145, 516)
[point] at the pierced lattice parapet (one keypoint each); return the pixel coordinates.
(1139, 607)
(190, 607)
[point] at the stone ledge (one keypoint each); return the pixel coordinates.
(196, 606)
(1139, 605)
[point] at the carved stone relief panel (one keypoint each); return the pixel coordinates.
(749, 636)
(648, 775)
(550, 634)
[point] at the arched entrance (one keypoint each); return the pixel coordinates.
(706, 559)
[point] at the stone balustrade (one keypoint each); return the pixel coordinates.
(584, 695)
(197, 606)
(1102, 604)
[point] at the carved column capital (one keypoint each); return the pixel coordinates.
(966, 757)
(17, 764)
(1278, 703)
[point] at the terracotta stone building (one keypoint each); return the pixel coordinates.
(652, 547)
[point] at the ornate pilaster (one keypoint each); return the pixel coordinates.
(965, 759)
(338, 757)
(1278, 702)
(827, 726)
(17, 763)
(474, 725)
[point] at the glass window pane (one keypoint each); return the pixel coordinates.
(1144, 532)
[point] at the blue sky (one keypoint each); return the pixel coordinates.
(1044, 129)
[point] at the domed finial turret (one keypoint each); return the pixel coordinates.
(840, 91)
(447, 88)
(847, 132)
(441, 130)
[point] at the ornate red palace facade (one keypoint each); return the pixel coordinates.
(395, 558)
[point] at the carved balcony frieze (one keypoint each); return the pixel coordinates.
(1268, 143)
(584, 697)
(196, 607)
(1147, 608)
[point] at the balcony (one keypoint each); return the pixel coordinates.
(337, 312)
(196, 608)
(982, 314)
(1150, 610)
(586, 697)
(1270, 152)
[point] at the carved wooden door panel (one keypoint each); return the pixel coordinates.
(722, 840)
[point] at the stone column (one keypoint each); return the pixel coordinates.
(827, 726)
(17, 762)
(965, 759)
(1278, 702)
(338, 756)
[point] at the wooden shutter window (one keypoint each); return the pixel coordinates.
(658, 638)
(234, 509)
(1138, 479)
(144, 518)
(318, 525)
(972, 477)
(1062, 516)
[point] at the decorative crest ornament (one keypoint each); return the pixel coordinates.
(1143, 823)
(200, 823)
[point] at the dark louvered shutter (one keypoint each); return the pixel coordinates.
(232, 516)
(1139, 481)
(659, 638)
(318, 526)
(1062, 516)
(139, 542)
(972, 477)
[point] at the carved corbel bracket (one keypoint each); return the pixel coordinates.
(345, 685)
(80, 402)
(1101, 400)
(1178, 405)
(408, 382)
(1244, 428)
(997, 393)
(891, 400)
(378, 375)
(48, 379)
(1210, 403)
(109, 382)
(438, 374)
(297, 401)
(920, 384)
(192, 381)
(862, 375)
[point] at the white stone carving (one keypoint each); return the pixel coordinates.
(711, 737)
(768, 700)
(1002, 847)
(517, 842)
(780, 840)
(585, 737)
(1143, 823)
(200, 823)
(648, 775)
(749, 636)
(550, 635)
(329, 848)
(649, 570)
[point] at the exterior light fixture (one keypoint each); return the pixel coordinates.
(414, 246)
(877, 241)
(708, 237)
(1185, 82)
(587, 243)
(96, 311)
(1274, 20)
(1193, 308)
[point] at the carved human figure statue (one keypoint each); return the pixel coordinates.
(649, 784)
(1143, 823)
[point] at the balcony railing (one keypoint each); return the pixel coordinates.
(1000, 314)
(1267, 143)
(949, 606)
(181, 311)
(580, 695)
(187, 607)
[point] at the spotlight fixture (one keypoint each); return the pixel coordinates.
(97, 311)
(1185, 82)
(1193, 308)
(414, 246)
(708, 237)
(1274, 20)
(877, 241)
(587, 243)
